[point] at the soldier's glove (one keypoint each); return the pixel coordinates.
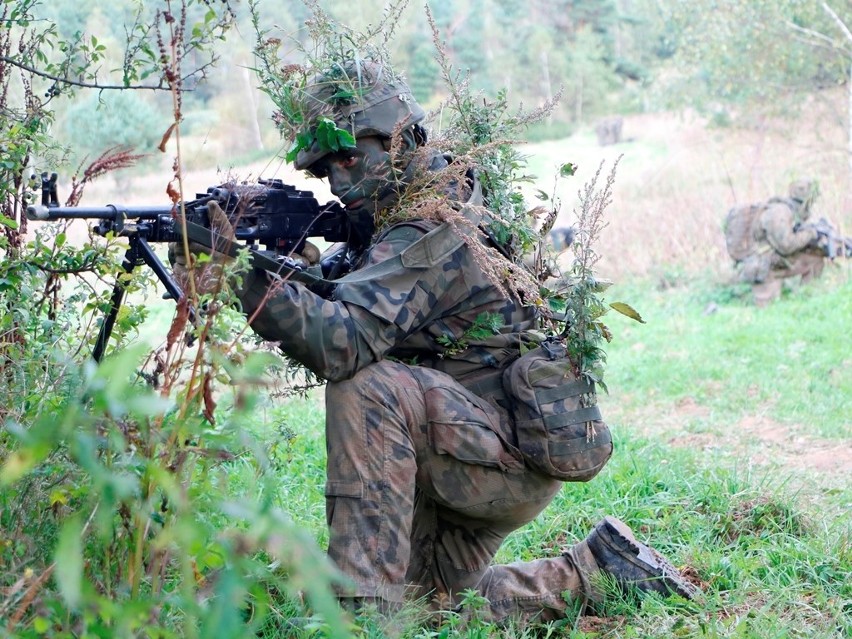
(208, 273)
(309, 256)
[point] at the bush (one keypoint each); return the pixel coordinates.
(123, 119)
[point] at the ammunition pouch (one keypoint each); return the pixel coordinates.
(558, 424)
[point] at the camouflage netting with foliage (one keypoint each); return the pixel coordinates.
(481, 134)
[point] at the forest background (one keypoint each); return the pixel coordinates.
(734, 425)
(762, 69)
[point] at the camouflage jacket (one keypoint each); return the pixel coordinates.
(778, 227)
(778, 240)
(416, 308)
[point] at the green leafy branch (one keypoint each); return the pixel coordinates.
(485, 325)
(326, 135)
(577, 302)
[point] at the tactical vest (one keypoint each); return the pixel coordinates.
(743, 232)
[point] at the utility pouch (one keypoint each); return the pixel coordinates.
(558, 424)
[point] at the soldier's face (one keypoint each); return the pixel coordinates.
(361, 177)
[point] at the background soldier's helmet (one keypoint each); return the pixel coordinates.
(363, 98)
(804, 191)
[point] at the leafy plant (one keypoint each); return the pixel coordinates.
(484, 325)
(576, 298)
(115, 510)
(482, 134)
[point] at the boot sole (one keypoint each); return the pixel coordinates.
(662, 577)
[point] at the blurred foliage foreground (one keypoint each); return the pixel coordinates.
(116, 514)
(122, 513)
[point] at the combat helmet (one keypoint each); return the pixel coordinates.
(804, 192)
(362, 97)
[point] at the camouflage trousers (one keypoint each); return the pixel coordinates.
(423, 487)
(807, 265)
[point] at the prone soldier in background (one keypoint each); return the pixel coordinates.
(777, 240)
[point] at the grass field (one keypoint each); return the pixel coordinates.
(733, 432)
(732, 435)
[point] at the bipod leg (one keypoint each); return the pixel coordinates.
(131, 259)
(147, 255)
(173, 290)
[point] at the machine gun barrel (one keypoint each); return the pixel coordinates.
(270, 213)
(42, 213)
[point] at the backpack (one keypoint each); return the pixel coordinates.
(557, 422)
(739, 230)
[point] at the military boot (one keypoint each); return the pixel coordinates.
(614, 550)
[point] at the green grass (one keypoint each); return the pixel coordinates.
(771, 564)
(772, 561)
(706, 343)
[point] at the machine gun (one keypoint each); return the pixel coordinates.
(268, 214)
(829, 240)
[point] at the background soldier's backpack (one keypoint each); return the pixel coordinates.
(739, 230)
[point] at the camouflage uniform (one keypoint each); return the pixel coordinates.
(784, 249)
(424, 477)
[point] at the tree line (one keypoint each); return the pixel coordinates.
(604, 57)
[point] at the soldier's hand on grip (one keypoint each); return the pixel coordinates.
(208, 273)
(310, 256)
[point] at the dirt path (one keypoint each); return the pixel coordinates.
(756, 442)
(769, 443)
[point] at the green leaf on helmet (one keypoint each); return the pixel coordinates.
(324, 134)
(331, 137)
(345, 139)
(568, 169)
(303, 142)
(342, 96)
(293, 151)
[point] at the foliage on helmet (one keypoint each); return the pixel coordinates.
(343, 87)
(325, 135)
(804, 190)
(362, 97)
